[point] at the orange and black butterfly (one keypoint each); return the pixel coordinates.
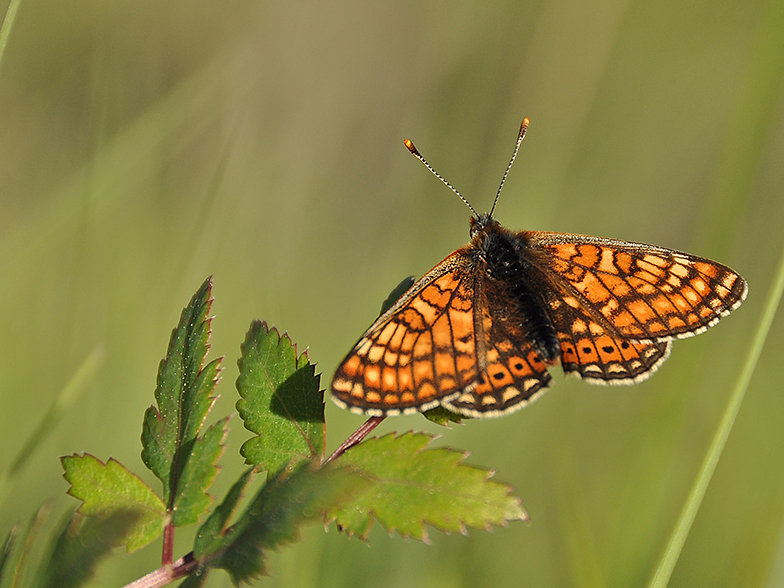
(477, 333)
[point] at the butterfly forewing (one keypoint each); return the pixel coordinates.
(639, 292)
(419, 352)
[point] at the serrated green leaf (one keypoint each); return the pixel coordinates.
(183, 396)
(110, 488)
(272, 519)
(442, 416)
(412, 487)
(281, 401)
(199, 472)
(80, 545)
(210, 537)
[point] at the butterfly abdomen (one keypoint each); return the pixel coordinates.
(512, 282)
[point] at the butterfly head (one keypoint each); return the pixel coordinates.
(480, 223)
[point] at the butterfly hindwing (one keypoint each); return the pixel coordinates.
(512, 374)
(593, 352)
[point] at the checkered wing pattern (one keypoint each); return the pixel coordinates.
(641, 292)
(437, 344)
(419, 352)
(455, 340)
(617, 305)
(593, 351)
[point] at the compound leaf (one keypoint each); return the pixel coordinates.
(412, 487)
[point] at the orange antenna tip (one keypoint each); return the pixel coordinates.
(410, 146)
(523, 128)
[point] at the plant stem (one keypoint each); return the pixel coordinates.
(356, 436)
(166, 574)
(168, 544)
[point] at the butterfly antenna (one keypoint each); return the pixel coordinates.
(418, 155)
(520, 137)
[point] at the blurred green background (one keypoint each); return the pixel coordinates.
(146, 145)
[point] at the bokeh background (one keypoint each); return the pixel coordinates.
(145, 145)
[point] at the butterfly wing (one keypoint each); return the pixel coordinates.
(444, 342)
(617, 305)
(420, 351)
(595, 353)
(511, 371)
(641, 292)
(514, 377)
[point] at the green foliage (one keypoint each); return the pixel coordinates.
(5, 550)
(443, 416)
(77, 544)
(285, 502)
(81, 544)
(170, 434)
(109, 488)
(281, 401)
(394, 479)
(17, 548)
(198, 474)
(410, 487)
(210, 538)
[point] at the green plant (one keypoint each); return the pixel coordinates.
(394, 479)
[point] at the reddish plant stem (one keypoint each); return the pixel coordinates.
(356, 436)
(166, 574)
(168, 544)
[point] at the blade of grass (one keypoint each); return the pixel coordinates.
(46, 426)
(661, 576)
(8, 22)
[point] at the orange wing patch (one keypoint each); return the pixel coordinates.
(639, 292)
(420, 352)
(510, 381)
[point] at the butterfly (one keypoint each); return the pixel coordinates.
(477, 333)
